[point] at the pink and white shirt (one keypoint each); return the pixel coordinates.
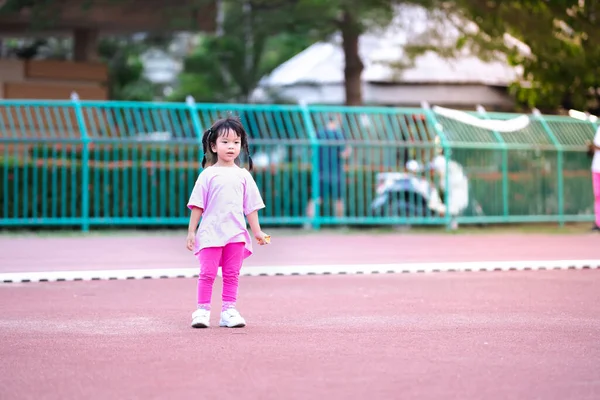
(227, 195)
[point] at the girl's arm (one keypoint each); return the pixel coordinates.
(255, 227)
(253, 221)
(194, 220)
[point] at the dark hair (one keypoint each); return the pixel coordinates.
(220, 128)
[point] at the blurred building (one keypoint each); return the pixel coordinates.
(316, 75)
(84, 21)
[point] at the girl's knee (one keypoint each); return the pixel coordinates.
(231, 274)
(209, 263)
(208, 277)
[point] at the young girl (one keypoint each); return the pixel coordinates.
(223, 194)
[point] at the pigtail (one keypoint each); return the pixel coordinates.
(205, 145)
(247, 150)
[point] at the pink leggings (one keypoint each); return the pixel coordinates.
(596, 181)
(230, 259)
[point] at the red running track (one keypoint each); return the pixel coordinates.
(490, 335)
(19, 254)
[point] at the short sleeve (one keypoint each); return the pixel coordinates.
(199, 193)
(597, 137)
(252, 198)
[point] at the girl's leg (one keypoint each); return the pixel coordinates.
(232, 259)
(596, 180)
(209, 265)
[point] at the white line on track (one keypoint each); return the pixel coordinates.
(163, 273)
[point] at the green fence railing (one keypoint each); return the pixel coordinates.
(85, 163)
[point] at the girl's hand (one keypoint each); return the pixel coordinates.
(190, 241)
(262, 238)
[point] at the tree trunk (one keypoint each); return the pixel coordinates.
(353, 64)
(595, 109)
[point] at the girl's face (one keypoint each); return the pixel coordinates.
(227, 147)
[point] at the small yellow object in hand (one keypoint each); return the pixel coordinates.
(267, 239)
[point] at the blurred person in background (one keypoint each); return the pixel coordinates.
(331, 167)
(458, 186)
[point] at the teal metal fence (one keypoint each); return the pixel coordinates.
(84, 164)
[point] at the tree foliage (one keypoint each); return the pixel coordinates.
(236, 60)
(125, 68)
(255, 38)
(562, 64)
(351, 18)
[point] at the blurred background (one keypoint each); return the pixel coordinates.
(456, 112)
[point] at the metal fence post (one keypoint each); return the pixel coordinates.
(593, 124)
(505, 209)
(437, 126)
(191, 103)
(315, 164)
(85, 160)
(560, 165)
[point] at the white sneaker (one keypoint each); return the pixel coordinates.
(201, 318)
(231, 318)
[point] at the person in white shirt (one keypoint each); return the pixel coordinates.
(458, 186)
(595, 147)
